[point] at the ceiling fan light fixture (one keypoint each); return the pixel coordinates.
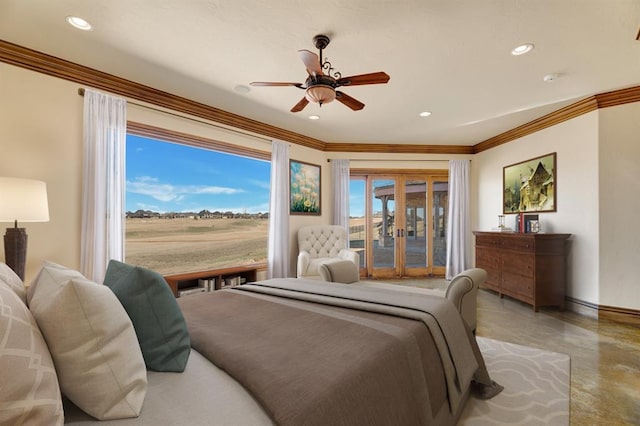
(320, 94)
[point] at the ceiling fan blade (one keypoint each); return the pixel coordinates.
(358, 80)
(271, 83)
(300, 105)
(311, 61)
(352, 103)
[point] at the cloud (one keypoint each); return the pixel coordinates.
(150, 186)
(260, 184)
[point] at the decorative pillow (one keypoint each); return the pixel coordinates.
(92, 343)
(13, 281)
(156, 316)
(29, 389)
(342, 271)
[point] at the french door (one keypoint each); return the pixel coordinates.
(401, 231)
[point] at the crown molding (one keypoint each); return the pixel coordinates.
(592, 103)
(567, 113)
(398, 148)
(40, 62)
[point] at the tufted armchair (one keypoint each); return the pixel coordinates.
(320, 244)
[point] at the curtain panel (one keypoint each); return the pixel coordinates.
(340, 187)
(103, 182)
(278, 248)
(459, 228)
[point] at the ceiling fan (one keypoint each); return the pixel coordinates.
(320, 87)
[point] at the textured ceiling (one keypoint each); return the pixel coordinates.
(448, 57)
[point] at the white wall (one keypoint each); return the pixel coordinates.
(597, 183)
(576, 144)
(41, 138)
(619, 206)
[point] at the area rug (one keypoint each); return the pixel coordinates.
(536, 387)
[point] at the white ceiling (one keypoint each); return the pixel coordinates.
(450, 57)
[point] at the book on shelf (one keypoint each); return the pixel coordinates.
(232, 281)
(189, 291)
(209, 284)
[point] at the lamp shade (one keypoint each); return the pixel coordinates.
(23, 200)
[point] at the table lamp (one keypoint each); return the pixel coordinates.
(23, 200)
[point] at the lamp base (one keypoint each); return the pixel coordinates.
(15, 250)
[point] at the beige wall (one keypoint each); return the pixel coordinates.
(41, 138)
(619, 192)
(576, 144)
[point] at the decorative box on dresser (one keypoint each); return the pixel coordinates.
(526, 266)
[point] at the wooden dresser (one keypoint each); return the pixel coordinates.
(527, 267)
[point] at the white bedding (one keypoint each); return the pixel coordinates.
(202, 395)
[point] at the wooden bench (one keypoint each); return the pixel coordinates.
(225, 277)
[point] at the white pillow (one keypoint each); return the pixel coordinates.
(29, 389)
(13, 281)
(92, 342)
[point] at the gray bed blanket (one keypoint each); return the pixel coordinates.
(323, 353)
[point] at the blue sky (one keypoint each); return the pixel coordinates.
(168, 177)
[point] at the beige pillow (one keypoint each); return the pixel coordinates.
(342, 271)
(29, 389)
(92, 342)
(13, 281)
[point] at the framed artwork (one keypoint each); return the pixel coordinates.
(530, 186)
(304, 188)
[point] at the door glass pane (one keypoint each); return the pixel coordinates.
(383, 208)
(357, 196)
(416, 226)
(440, 206)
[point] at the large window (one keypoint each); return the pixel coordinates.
(193, 209)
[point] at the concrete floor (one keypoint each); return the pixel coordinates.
(605, 355)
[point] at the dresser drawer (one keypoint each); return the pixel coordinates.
(521, 265)
(516, 283)
(520, 244)
(487, 258)
(488, 241)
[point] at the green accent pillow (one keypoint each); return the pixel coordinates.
(155, 314)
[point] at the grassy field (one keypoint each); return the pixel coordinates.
(171, 246)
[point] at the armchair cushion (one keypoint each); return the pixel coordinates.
(343, 271)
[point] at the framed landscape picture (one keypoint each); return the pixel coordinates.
(304, 188)
(530, 186)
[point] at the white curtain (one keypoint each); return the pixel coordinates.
(278, 250)
(458, 229)
(340, 178)
(103, 183)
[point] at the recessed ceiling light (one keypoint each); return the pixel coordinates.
(79, 23)
(241, 88)
(314, 117)
(425, 113)
(522, 49)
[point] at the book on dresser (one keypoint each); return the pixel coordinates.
(528, 267)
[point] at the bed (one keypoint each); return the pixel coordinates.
(291, 351)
